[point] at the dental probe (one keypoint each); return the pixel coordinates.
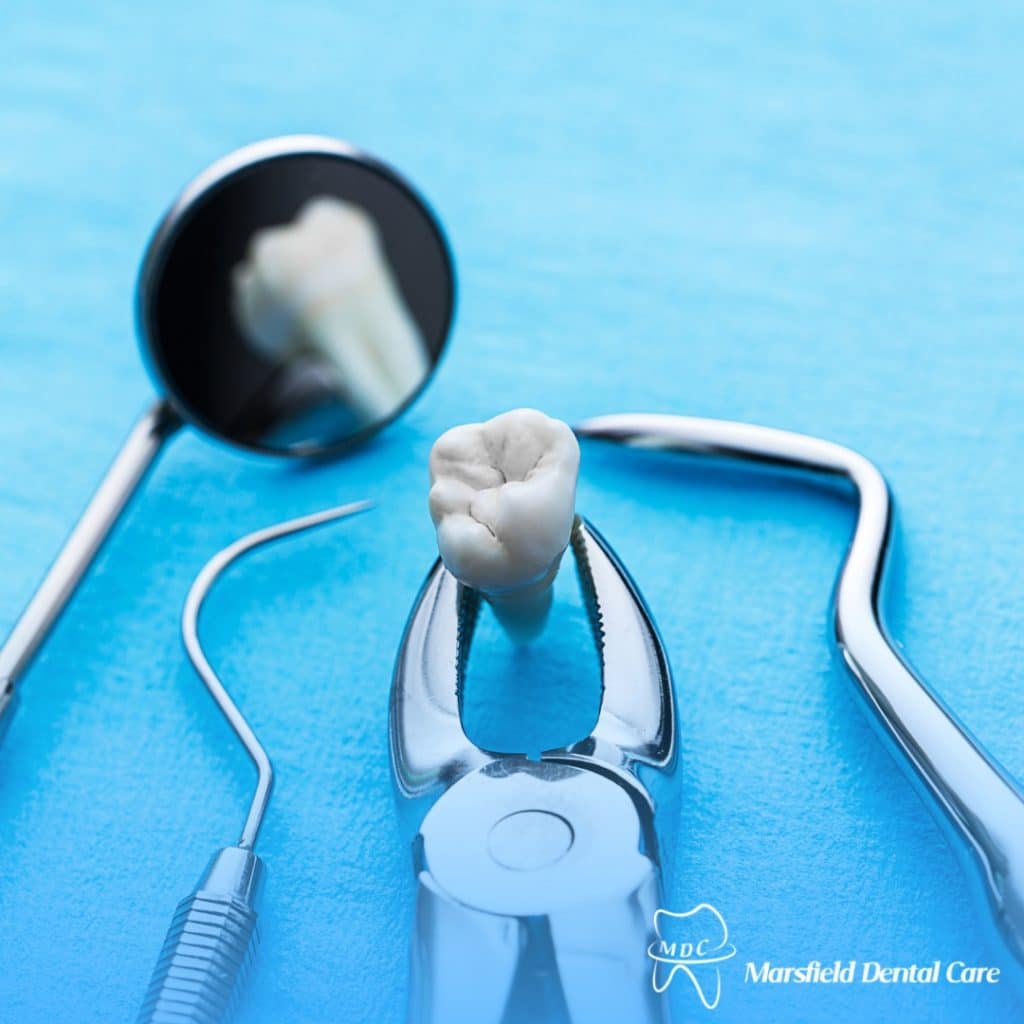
(213, 934)
(981, 806)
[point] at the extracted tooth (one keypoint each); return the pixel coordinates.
(321, 286)
(503, 498)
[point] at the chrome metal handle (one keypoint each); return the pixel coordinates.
(209, 945)
(53, 593)
(983, 806)
(585, 963)
(538, 882)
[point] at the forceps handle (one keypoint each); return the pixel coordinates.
(209, 945)
(120, 483)
(582, 964)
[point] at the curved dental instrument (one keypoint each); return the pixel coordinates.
(213, 934)
(537, 880)
(975, 795)
(361, 310)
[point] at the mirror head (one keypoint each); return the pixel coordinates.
(296, 297)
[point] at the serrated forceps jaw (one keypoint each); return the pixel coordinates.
(636, 722)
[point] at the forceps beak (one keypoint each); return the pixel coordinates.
(636, 723)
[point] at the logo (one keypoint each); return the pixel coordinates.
(694, 943)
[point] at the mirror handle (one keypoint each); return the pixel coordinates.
(123, 478)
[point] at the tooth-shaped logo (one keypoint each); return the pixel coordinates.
(503, 497)
(321, 286)
(693, 943)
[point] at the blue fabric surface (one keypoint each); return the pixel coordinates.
(803, 215)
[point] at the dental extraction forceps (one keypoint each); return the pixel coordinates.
(537, 880)
(979, 803)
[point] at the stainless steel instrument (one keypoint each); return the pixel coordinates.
(982, 808)
(537, 880)
(213, 934)
(207, 366)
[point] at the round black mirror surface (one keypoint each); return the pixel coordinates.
(296, 298)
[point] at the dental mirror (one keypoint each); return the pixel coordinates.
(296, 297)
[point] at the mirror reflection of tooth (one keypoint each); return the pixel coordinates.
(322, 286)
(503, 501)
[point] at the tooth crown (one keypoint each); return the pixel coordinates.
(502, 497)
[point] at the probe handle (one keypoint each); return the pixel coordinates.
(209, 945)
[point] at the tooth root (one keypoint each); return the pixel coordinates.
(524, 612)
(321, 286)
(503, 500)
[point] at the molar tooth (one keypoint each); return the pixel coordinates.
(502, 498)
(321, 285)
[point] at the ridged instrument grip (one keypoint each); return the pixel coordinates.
(209, 946)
